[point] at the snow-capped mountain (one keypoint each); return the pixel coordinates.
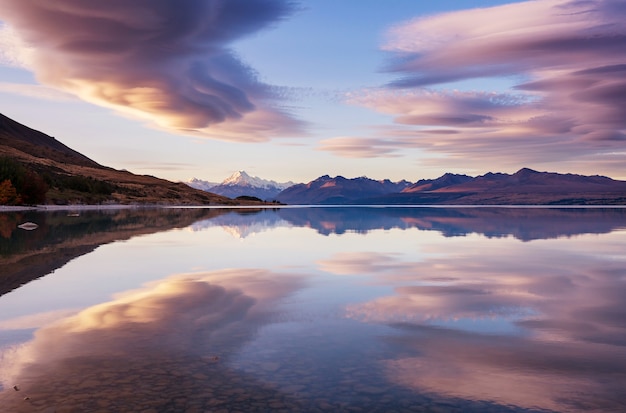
(241, 178)
(200, 184)
(240, 183)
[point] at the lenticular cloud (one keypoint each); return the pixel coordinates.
(570, 53)
(567, 62)
(167, 61)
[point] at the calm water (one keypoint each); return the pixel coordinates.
(314, 309)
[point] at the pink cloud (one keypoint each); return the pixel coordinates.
(354, 147)
(569, 102)
(160, 60)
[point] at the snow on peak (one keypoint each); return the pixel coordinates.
(200, 184)
(241, 178)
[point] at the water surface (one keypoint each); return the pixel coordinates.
(314, 309)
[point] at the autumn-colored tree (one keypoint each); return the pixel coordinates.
(30, 187)
(8, 193)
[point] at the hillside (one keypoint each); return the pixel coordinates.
(28, 156)
(24, 140)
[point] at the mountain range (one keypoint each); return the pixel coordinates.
(36, 166)
(242, 184)
(525, 187)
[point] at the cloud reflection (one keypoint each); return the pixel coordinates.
(564, 342)
(512, 371)
(359, 263)
(190, 316)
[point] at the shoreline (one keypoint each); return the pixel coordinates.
(86, 207)
(112, 207)
(17, 208)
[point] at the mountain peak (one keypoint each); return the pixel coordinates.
(239, 178)
(241, 183)
(526, 171)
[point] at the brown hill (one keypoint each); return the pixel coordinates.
(32, 142)
(74, 178)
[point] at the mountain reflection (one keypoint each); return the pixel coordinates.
(172, 337)
(242, 223)
(61, 237)
(539, 327)
(525, 224)
(522, 223)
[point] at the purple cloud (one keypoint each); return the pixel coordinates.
(568, 106)
(162, 60)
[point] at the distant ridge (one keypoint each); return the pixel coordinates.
(443, 181)
(525, 187)
(338, 190)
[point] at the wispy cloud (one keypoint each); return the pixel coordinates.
(356, 147)
(165, 61)
(36, 91)
(566, 62)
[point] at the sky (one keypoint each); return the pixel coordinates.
(291, 90)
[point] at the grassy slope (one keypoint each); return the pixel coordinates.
(47, 156)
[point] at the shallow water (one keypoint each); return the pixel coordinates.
(314, 309)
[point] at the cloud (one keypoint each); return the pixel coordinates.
(531, 37)
(36, 91)
(164, 61)
(567, 102)
(354, 147)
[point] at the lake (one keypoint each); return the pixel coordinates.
(314, 309)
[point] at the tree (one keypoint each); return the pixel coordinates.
(33, 189)
(8, 193)
(29, 186)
